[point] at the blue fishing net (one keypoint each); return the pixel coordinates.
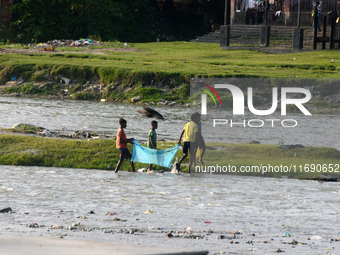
(150, 156)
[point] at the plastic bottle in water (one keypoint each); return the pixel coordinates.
(173, 169)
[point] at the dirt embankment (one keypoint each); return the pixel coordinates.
(83, 83)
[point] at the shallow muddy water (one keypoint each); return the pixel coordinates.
(70, 116)
(267, 214)
(58, 115)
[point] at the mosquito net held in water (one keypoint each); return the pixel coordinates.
(150, 156)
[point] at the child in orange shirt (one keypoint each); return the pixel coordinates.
(121, 144)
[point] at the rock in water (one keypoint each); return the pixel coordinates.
(135, 99)
(19, 125)
(328, 177)
(6, 210)
(147, 111)
(27, 126)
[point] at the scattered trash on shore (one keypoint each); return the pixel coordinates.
(68, 43)
(56, 227)
(235, 237)
(287, 234)
(149, 211)
(34, 225)
(110, 213)
(44, 132)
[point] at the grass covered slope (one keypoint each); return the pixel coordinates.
(162, 61)
(102, 154)
(149, 71)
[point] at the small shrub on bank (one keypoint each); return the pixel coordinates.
(85, 96)
(147, 94)
(29, 88)
(323, 104)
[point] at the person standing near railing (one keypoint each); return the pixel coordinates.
(316, 15)
(250, 7)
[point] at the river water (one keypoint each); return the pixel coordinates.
(67, 115)
(295, 216)
(201, 211)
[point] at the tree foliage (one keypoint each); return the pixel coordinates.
(43, 20)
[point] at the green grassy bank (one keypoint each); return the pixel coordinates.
(257, 159)
(166, 67)
(102, 154)
(53, 152)
(173, 59)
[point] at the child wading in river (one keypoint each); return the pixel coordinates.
(152, 138)
(121, 144)
(190, 140)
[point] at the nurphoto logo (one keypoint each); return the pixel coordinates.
(238, 95)
(239, 105)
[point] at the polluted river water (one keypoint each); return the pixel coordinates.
(68, 116)
(219, 213)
